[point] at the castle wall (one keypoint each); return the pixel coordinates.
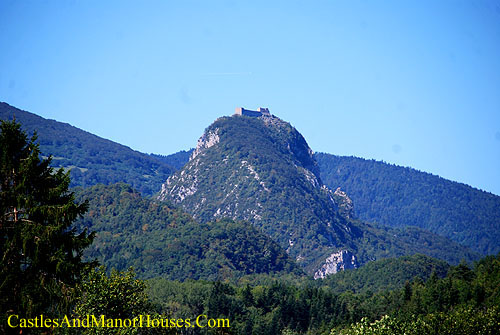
(247, 112)
(264, 111)
(251, 113)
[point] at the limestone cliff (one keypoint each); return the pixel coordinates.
(345, 205)
(337, 261)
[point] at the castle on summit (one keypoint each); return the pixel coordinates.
(247, 112)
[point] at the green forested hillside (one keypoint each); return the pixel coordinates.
(160, 240)
(398, 196)
(176, 160)
(165, 243)
(92, 159)
(377, 242)
(386, 274)
(262, 170)
(464, 302)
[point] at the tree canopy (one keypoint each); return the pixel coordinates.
(40, 255)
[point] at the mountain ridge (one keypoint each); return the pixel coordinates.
(246, 144)
(91, 159)
(400, 196)
(365, 196)
(334, 209)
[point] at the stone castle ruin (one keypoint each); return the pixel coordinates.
(247, 112)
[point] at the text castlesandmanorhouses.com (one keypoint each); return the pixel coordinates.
(91, 321)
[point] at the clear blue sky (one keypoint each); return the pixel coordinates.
(415, 83)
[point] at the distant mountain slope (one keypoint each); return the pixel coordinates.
(399, 196)
(92, 159)
(386, 274)
(160, 240)
(262, 170)
(176, 160)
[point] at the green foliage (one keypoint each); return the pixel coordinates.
(117, 296)
(160, 240)
(251, 309)
(399, 196)
(91, 159)
(462, 321)
(40, 256)
(379, 242)
(463, 302)
(386, 274)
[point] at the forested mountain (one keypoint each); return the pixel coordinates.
(381, 193)
(176, 160)
(399, 196)
(92, 159)
(262, 170)
(402, 196)
(160, 240)
(258, 169)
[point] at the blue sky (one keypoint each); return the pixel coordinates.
(414, 83)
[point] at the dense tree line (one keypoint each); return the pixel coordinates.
(386, 274)
(176, 160)
(465, 302)
(466, 297)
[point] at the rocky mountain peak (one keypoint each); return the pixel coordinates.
(261, 170)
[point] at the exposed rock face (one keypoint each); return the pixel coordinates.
(207, 140)
(338, 261)
(345, 205)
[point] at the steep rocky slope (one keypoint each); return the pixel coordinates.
(262, 170)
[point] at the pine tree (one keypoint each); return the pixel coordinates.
(40, 253)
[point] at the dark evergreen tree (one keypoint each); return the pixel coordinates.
(40, 255)
(247, 296)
